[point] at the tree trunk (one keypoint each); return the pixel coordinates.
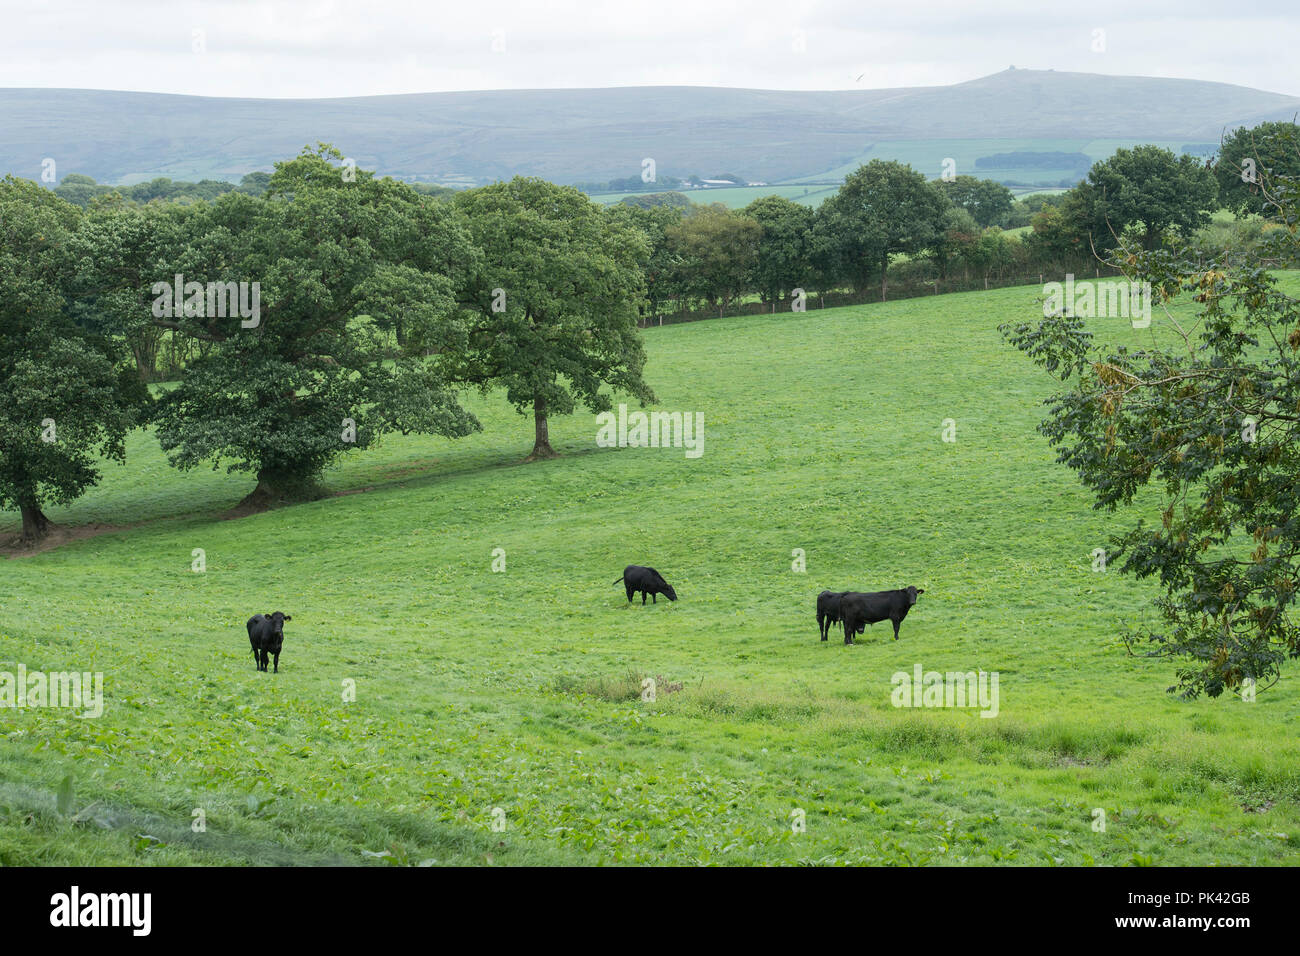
(884, 277)
(144, 349)
(281, 486)
(542, 442)
(35, 525)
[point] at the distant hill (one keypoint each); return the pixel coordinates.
(596, 135)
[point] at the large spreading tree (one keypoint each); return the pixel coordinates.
(554, 301)
(987, 201)
(66, 398)
(1147, 192)
(117, 252)
(884, 209)
(337, 253)
(660, 266)
(1251, 155)
(715, 250)
(782, 262)
(1212, 422)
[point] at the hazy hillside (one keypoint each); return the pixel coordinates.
(601, 134)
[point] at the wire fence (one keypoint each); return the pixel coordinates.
(903, 289)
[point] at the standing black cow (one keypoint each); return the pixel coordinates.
(646, 580)
(858, 610)
(828, 610)
(266, 634)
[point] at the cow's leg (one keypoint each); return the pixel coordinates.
(823, 626)
(630, 591)
(643, 594)
(848, 633)
(654, 597)
(277, 662)
(264, 658)
(896, 623)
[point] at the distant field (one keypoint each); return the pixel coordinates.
(519, 690)
(739, 196)
(807, 195)
(928, 156)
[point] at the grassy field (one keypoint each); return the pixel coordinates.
(516, 691)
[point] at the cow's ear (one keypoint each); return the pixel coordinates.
(288, 617)
(920, 590)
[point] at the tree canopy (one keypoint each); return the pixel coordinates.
(555, 300)
(308, 378)
(1251, 156)
(1147, 191)
(66, 398)
(884, 209)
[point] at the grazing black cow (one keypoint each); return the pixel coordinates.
(828, 610)
(646, 580)
(858, 610)
(266, 634)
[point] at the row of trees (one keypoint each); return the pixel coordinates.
(81, 190)
(524, 286)
(886, 212)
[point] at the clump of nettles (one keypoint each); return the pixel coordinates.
(629, 686)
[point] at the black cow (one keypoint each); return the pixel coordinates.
(266, 634)
(828, 610)
(858, 610)
(646, 580)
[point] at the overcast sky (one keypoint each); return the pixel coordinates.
(322, 48)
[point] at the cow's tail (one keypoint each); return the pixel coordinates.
(617, 580)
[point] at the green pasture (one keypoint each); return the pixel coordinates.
(429, 708)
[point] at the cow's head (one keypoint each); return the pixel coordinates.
(277, 623)
(912, 592)
(662, 586)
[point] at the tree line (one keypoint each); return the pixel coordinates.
(889, 221)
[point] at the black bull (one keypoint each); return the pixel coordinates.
(858, 609)
(266, 635)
